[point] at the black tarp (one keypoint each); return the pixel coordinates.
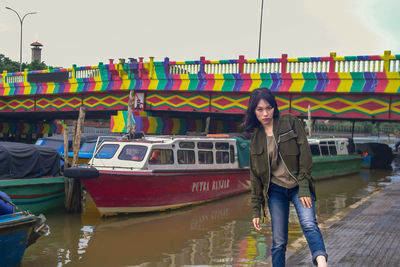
(19, 160)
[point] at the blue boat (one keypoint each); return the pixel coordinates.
(17, 232)
(88, 144)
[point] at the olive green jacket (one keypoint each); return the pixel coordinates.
(293, 149)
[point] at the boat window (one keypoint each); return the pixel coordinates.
(88, 147)
(332, 149)
(315, 150)
(39, 142)
(161, 156)
(232, 153)
(107, 151)
(205, 157)
(186, 144)
(186, 157)
(57, 145)
(222, 157)
(324, 149)
(221, 146)
(133, 152)
(205, 145)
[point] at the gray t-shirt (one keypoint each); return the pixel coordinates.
(279, 173)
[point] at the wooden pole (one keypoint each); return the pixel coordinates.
(309, 122)
(73, 187)
(66, 132)
(67, 187)
(77, 136)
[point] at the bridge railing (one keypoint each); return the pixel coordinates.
(394, 65)
(138, 69)
(385, 63)
(85, 73)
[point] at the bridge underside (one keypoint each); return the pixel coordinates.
(377, 107)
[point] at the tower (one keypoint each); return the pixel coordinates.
(36, 51)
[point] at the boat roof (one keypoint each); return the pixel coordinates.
(169, 139)
(318, 140)
(85, 137)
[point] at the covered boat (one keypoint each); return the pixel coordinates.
(30, 175)
(165, 172)
(375, 155)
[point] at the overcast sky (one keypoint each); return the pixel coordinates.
(87, 32)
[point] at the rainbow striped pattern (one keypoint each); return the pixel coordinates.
(361, 87)
(165, 124)
(139, 75)
(21, 127)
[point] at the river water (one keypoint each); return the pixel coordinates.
(219, 233)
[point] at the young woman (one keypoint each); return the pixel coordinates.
(280, 170)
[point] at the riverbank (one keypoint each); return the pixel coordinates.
(365, 234)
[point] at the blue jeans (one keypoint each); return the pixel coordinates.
(278, 204)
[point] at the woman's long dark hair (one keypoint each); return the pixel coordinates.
(250, 121)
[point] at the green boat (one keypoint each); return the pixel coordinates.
(30, 176)
(331, 158)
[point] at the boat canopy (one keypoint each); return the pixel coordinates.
(18, 160)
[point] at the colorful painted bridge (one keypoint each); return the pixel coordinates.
(350, 87)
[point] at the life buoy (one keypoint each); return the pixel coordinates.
(81, 173)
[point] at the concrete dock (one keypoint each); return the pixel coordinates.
(367, 235)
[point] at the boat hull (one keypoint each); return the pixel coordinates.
(37, 195)
(126, 192)
(334, 166)
(15, 230)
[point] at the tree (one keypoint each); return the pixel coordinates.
(36, 65)
(6, 64)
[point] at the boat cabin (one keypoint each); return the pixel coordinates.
(328, 146)
(167, 152)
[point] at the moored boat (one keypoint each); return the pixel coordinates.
(87, 145)
(17, 232)
(30, 175)
(166, 172)
(331, 158)
(375, 155)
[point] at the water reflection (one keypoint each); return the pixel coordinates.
(336, 194)
(199, 234)
(217, 233)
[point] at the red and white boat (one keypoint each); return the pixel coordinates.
(148, 174)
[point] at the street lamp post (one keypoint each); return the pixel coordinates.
(20, 45)
(259, 37)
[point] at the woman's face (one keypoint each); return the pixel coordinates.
(264, 113)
